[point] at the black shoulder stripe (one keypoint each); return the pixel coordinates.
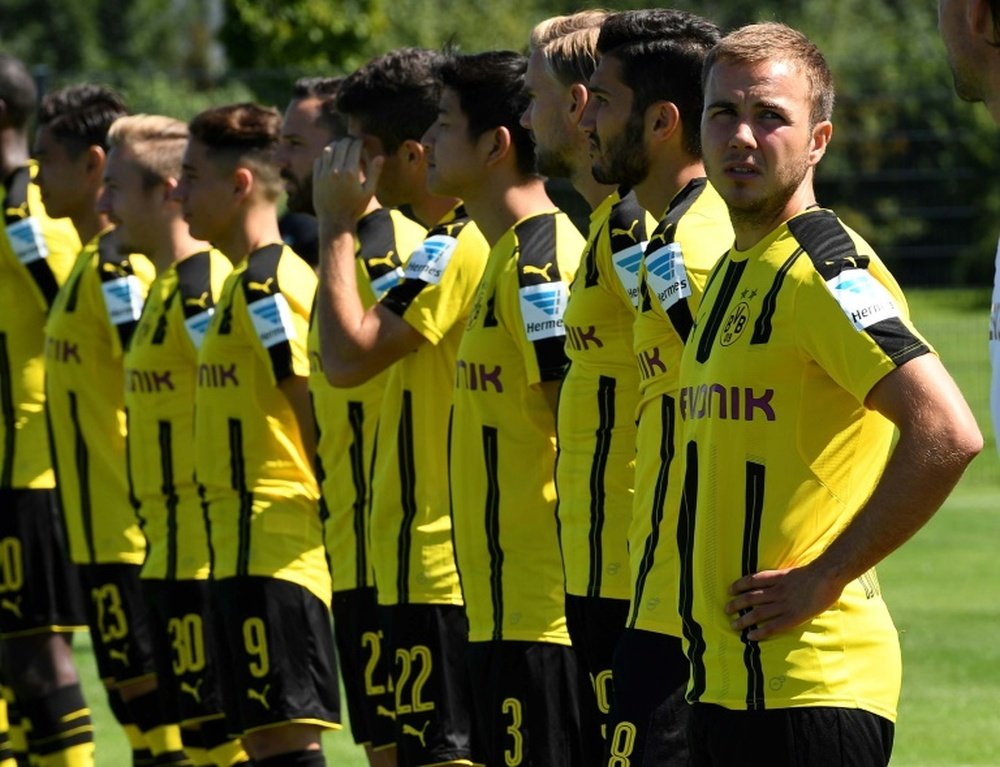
(626, 228)
(827, 243)
(536, 250)
(896, 340)
(769, 304)
(259, 281)
(377, 243)
(454, 226)
(680, 205)
(194, 283)
(15, 207)
(112, 264)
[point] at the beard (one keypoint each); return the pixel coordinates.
(767, 209)
(299, 195)
(551, 163)
(623, 158)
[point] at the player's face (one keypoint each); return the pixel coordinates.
(61, 177)
(204, 190)
(394, 188)
(452, 162)
(547, 117)
(618, 151)
(128, 202)
(757, 140)
(965, 59)
(303, 136)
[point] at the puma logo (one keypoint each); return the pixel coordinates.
(421, 733)
(119, 655)
(389, 260)
(116, 269)
(193, 690)
(264, 287)
(21, 211)
(540, 271)
(383, 711)
(202, 302)
(12, 605)
(630, 232)
(260, 697)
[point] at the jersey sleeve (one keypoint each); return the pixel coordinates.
(619, 248)
(124, 282)
(195, 295)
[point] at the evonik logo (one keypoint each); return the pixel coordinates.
(733, 403)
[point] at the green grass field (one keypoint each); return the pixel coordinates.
(941, 587)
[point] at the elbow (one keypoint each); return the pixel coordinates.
(963, 441)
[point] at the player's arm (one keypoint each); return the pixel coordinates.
(938, 437)
(296, 389)
(355, 344)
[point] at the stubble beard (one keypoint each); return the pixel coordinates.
(623, 159)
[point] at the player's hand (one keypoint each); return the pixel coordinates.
(773, 601)
(343, 186)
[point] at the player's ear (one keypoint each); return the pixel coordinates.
(168, 189)
(411, 151)
(579, 96)
(93, 162)
(497, 143)
(822, 132)
(664, 119)
(981, 21)
(243, 182)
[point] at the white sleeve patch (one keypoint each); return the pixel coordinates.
(26, 238)
(198, 325)
(272, 319)
(429, 261)
(123, 298)
(542, 308)
(864, 299)
(666, 275)
(626, 263)
(385, 283)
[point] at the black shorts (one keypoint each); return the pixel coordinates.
(649, 713)
(277, 663)
(789, 737)
(531, 705)
(186, 667)
(39, 587)
(431, 682)
(120, 628)
(595, 625)
(365, 661)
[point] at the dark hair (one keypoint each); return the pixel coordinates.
(995, 13)
(17, 90)
(324, 89)
(490, 90)
(661, 53)
(395, 96)
(245, 134)
(79, 116)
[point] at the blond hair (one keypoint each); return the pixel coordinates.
(156, 142)
(569, 44)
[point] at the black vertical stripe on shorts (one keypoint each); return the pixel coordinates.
(169, 490)
(492, 519)
(356, 420)
(769, 304)
(238, 482)
(598, 469)
(82, 460)
(668, 411)
(407, 496)
(717, 314)
(8, 415)
(686, 522)
(751, 541)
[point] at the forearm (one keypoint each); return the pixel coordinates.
(339, 311)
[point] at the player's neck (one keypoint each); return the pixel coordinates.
(592, 190)
(257, 227)
(177, 244)
(89, 223)
(431, 208)
(750, 229)
(664, 180)
(13, 151)
(496, 207)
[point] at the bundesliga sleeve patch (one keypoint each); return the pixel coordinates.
(626, 263)
(272, 319)
(542, 308)
(864, 299)
(197, 326)
(666, 275)
(26, 238)
(429, 261)
(123, 298)
(386, 282)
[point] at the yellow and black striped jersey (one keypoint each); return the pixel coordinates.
(161, 368)
(596, 421)
(779, 453)
(36, 255)
(503, 440)
(91, 320)
(411, 539)
(257, 478)
(687, 242)
(347, 418)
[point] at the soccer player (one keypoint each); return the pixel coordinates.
(644, 124)
(596, 417)
(346, 423)
(40, 598)
(413, 331)
(532, 698)
(254, 448)
(90, 323)
(140, 174)
(800, 363)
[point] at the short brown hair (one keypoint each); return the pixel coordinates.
(772, 41)
(243, 134)
(156, 141)
(569, 44)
